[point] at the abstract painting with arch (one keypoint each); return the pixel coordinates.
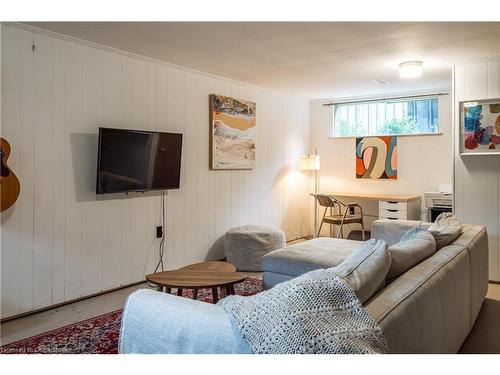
(377, 157)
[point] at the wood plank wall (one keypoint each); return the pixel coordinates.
(60, 241)
(477, 178)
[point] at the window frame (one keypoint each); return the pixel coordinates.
(386, 101)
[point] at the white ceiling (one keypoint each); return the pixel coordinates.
(317, 60)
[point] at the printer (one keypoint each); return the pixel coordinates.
(439, 201)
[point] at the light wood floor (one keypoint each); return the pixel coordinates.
(31, 325)
(484, 337)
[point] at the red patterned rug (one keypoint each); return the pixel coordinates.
(99, 335)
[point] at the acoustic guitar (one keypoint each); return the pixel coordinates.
(9, 184)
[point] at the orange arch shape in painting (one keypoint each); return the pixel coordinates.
(360, 167)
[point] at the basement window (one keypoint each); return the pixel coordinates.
(401, 116)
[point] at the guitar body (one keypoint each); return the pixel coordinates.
(9, 184)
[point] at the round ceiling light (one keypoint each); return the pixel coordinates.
(411, 69)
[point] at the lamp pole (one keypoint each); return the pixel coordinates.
(310, 162)
(316, 188)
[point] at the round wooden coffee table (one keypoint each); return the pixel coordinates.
(211, 265)
(210, 275)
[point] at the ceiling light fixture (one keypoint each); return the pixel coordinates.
(380, 81)
(411, 69)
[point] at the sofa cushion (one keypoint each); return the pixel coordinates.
(416, 245)
(323, 252)
(366, 268)
(410, 233)
(391, 231)
(445, 229)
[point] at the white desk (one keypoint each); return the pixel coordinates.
(390, 206)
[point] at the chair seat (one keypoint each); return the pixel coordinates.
(349, 210)
(337, 219)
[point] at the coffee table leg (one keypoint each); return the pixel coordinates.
(168, 290)
(228, 290)
(231, 289)
(179, 291)
(195, 293)
(215, 295)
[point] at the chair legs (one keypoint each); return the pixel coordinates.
(321, 224)
(340, 234)
(319, 229)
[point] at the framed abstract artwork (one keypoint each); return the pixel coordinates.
(480, 127)
(377, 157)
(232, 133)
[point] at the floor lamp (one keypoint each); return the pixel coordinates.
(310, 162)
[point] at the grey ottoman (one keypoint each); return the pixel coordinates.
(297, 259)
(246, 245)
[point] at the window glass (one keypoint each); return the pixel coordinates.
(400, 116)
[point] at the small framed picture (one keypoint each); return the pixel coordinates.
(480, 127)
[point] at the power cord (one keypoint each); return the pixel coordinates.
(161, 247)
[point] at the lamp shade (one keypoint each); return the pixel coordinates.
(309, 163)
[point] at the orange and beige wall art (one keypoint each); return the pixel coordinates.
(376, 157)
(232, 133)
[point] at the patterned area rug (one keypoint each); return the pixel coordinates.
(99, 335)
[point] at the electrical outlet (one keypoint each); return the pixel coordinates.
(159, 231)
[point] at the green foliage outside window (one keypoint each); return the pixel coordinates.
(347, 130)
(399, 126)
(395, 126)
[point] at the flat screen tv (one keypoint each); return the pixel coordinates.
(137, 160)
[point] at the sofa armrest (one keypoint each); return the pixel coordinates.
(391, 231)
(155, 322)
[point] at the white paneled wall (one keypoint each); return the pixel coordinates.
(60, 241)
(477, 178)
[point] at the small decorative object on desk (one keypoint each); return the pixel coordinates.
(480, 127)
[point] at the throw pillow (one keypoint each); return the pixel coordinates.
(366, 268)
(410, 233)
(445, 229)
(416, 245)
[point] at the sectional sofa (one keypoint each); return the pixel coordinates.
(431, 308)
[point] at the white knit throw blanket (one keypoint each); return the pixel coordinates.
(316, 313)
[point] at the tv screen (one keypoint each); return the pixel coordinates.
(137, 160)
